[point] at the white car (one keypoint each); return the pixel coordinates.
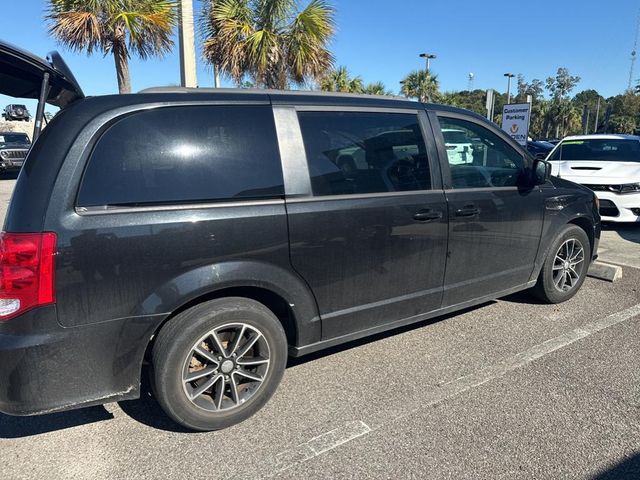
(459, 146)
(607, 164)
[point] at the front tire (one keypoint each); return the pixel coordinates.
(566, 266)
(218, 363)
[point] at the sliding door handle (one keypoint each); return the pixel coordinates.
(468, 211)
(427, 216)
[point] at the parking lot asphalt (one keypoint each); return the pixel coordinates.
(620, 244)
(510, 389)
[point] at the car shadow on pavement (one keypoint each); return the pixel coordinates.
(628, 231)
(17, 427)
(627, 469)
(379, 336)
(523, 297)
(147, 410)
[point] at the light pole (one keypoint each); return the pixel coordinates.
(509, 77)
(428, 57)
(187, 45)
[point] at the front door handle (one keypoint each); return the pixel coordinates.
(468, 211)
(427, 215)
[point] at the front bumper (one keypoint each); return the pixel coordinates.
(45, 367)
(619, 207)
(9, 167)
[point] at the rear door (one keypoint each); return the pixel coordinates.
(167, 191)
(367, 215)
(495, 218)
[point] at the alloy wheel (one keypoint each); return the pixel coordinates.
(568, 265)
(226, 367)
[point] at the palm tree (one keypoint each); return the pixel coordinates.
(270, 41)
(339, 80)
(376, 88)
(420, 84)
(119, 27)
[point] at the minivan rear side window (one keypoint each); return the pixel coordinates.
(185, 154)
(364, 152)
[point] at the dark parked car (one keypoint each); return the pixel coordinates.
(212, 234)
(13, 150)
(539, 149)
(16, 112)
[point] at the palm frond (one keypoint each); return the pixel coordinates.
(91, 24)
(420, 84)
(339, 80)
(78, 25)
(376, 88)
(272, 14)
(149, 25)
(268, 40)
(226, 26)
(307, 41)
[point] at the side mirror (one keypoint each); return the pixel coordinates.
(541, 171)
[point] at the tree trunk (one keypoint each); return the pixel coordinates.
(122, 67)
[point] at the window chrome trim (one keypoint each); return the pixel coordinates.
(356, 109)
(105, 210)
(363, 196)
(486, 189)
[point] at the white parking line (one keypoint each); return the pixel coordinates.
(321, 444)
(355, 429)
(462, 384)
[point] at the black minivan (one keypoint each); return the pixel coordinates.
(214, 233)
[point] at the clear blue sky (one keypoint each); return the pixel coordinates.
(381, 40)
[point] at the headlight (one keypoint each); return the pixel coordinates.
(629, 188)
(596, 202)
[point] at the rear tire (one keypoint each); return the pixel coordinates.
(566, 266)
(218, 363)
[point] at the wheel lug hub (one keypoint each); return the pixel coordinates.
(227, 366)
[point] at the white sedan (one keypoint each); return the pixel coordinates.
(607, 164)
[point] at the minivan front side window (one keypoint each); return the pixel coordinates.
(478, 158)
(185, 154)
(364, 152)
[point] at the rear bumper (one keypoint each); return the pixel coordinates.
(45, 367)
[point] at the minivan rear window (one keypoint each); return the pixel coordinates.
(185, 154)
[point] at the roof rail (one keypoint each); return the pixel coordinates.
(268, 91)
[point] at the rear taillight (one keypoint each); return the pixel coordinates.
(27, 271)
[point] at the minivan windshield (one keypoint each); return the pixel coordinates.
(610, 150)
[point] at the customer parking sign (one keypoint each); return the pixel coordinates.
(515, 121)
